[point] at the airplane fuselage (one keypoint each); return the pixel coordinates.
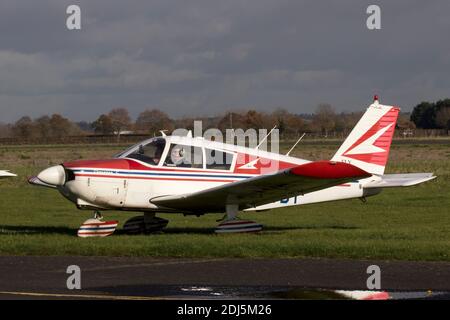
(130, 184)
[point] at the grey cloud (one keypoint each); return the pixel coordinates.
(200, 57)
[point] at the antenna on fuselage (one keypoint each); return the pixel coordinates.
(163, 133)
(264, 139)
(290, 150)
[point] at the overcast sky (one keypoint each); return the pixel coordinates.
(202, 57)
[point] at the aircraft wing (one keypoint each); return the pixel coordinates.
(400, 180)
(6, 174)
(264, 189)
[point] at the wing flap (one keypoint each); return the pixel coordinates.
(264, 189)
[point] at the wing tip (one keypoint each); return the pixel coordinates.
(7, 174)
(329, 170)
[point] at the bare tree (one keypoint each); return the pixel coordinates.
(120, 120)
(43, 127)
(288, 123)
(254, 119)
(404, 122)
(103, 125)
(232, 120)
(151, 121)
(24, 128)
(5, 130)
(324, 118)
(443, 117)
(62, 127)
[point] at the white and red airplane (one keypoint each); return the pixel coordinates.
(148, 177)
(6, 174)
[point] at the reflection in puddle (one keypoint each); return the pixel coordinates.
(201, 289)
(303, 293)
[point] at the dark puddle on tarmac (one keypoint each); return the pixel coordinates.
(302, 293)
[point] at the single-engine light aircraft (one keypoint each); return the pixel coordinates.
(159, 175)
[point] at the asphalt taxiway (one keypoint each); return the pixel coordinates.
(165, 278)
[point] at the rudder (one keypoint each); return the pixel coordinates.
(368, 144)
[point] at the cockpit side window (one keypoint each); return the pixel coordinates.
(150, 153)
(184, 156)
(218, 160)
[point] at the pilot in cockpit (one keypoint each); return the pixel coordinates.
(150, 153)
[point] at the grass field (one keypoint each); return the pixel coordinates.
(401, 224)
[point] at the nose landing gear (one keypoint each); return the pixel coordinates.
(96, 227)
(98, 215)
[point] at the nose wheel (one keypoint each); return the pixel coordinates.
(96, 227)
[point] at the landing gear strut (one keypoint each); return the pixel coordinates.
(98, 215)
(232, 224)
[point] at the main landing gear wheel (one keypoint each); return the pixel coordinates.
(96, 227)
(147, 223)
(232, 224)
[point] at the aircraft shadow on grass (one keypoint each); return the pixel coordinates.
(266, 229)
(12, 229)
(9, 229)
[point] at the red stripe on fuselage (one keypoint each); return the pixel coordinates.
(148, 178)
(106, 164)
(130, 164)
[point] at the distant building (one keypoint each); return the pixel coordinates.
(124, 132)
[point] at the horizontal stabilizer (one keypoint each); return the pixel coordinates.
(400, 180)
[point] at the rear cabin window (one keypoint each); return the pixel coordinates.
(218, 160)
(149, 153)
(184, 156)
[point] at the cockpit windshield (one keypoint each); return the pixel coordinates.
(149, 151)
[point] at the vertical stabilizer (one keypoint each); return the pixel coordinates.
(368, 145)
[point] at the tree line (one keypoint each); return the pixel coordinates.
(432, 115)
(324, 122)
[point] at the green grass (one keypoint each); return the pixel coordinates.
(399, 224)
